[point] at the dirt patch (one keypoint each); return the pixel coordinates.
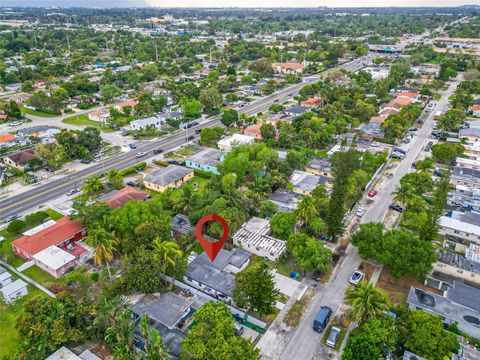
(295, 313)
(367, 269)
(397, 289)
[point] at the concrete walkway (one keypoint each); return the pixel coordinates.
(27, 279)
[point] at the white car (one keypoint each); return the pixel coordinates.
(356, 277)
(141, 154)
(360, 211)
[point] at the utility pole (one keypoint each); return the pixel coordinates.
(68, 44)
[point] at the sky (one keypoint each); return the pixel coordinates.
(242, 3)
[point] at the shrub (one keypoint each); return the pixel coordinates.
(132, 169)
(95, 276)
(16, 226)
(36, 218)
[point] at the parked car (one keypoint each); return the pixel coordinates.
(356, 277)
(73, 191)
(85, 161)
(198, 131)
(399, 150)
(333, 336)
(397, 155)
(317, 275)
(15, 123)
(396, 207)
(372, 193)
(239, 329)
(322, 318)
(135, 137)
(435, 133)
(360, 211)
(429, 146)
(413, 129)
(11, 218)
(438, 173)
(158, 151)
(141, 154)
(173, 162)
(406, 140)
(375, 144)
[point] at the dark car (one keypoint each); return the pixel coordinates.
(198, 131)
(436, 133)
(158, 151)
(190, 138)
(317, 275)
(322, 318)
(132, 146)
(396, 207)
(173, 162)
(85, 161)
(438, 173)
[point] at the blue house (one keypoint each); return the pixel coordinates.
(206, 160)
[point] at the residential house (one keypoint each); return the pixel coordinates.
(464, 196)
(296, 110)
(181, 226)
(459, 229)
(459, 305)
(410, 95)
(288, 68)
(165, 314)
(312, 102)
(457, 266)
(169, 177)
(7, 141)
(206, 160)
(255, 130)
(14, 290)
(254, 236)
(5, 277)
(286, 200)
(173, 115)
(304, 183)
(152, 121)
(64, 233)
(66, 354)
(472, 134)
(407, 355)
(465, 177)
(474, 110)
(19, 159)
(320, 166)
(472, 151)
(217, 278)
(119, 107)
(55, 261)
(13, 87)
(3, 117)
(235, 140)
(467, 163)
(117, 198)
(100, 115)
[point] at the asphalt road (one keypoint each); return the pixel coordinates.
(305, 343)
(50, 190)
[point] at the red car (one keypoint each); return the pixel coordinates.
(372, 193)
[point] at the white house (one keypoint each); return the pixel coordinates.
(5, 277)
(14, 290)
(254, 236)
(151, 121)
(230, 142)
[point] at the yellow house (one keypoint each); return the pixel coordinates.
(320, 166)
(168, 177)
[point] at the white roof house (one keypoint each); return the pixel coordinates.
(254, 237)
(152, 121)
(5, 277)
(54, 260)
(230, 142)
(14, 290)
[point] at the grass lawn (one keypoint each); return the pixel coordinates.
(37, 113)
(196, 179)
(54, 215)
(437, 97)
(326, 332)
(40, 276)
(295, 313)
(288, 265)
(83, 120)
(8, 319)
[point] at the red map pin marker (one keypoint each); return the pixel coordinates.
(211, 248)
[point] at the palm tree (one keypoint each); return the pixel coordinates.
(154, 346)
(167, 253)
(187, 200)
(367, 301)
(104, 243)
(92, 185)
(306, 210)
(404, 194)
(120, 336)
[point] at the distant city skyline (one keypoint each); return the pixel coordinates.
(243, 4)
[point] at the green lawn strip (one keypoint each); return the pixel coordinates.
(37, 113)
(83, 120)
(41, 276)
(288, 265)
(8, 320)
(326, 332)
(54, 215)
(295, 313)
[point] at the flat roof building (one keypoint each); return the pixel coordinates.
(206, 160)
(304, 183)
(254, 236)
(235, 140)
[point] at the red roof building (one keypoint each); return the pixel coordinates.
(65, 233)
(121, 197)
(312, 102)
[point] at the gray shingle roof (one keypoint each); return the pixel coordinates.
(469, 132)
(320, 164)
(166, 175)
(464, 295)
(210, 157)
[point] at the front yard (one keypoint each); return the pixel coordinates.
(83, 120)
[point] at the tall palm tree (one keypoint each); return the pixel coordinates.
(93, 185)
(404, 194)
(306, 210)
(187, 200)
(367, 301)
(167, 252)
(104, 243)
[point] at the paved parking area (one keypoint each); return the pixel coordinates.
(286, 285)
